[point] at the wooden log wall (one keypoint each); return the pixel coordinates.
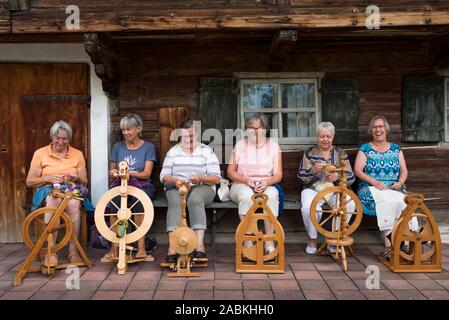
(160, 74)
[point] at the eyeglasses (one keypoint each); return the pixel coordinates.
(377, 127)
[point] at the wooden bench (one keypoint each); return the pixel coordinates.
(219, 208)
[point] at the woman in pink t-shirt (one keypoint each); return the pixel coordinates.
(255, 166)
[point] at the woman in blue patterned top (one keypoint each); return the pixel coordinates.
(382, 171)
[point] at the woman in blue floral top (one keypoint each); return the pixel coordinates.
(380, 166)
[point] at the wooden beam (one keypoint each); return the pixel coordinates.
(104, 57)
(281, 47)
(18, 5)
(100, 17)
(5, 19)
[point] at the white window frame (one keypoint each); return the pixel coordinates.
(278, 103)
(446, 109)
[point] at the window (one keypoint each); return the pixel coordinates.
(291, 106)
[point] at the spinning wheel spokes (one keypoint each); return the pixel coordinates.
(337, 210)
(38, 218)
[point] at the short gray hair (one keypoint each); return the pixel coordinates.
(58, 126)
(261, 117)
(132, 120)
(371, 124)
(326, 126)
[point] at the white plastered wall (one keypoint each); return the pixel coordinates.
(99, 108)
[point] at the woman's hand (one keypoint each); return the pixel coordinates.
(113, 173)
(396, 186)
(179, 182)
(196, 179)
(250, 183)
(379, 185)
(57, 178)
(261, 186)
(331, 177)
(318, 167)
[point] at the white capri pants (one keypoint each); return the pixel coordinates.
(307, 196)
(241, 194)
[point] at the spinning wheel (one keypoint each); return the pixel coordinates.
(257, 260)
(336, 223)
(416, 226)
(40, 237)
(124, 218)
(183, 241)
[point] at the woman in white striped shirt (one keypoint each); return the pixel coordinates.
(196, 163)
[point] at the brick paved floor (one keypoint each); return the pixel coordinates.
(305, 277)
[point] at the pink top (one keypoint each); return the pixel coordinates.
(256, 163)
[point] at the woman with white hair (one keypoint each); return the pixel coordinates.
(380, 166)
(140, 156)
(59, 165)
(312, 175)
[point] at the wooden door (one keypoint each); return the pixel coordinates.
(32, 98)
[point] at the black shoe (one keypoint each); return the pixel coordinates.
(171, 258)
(199, 255)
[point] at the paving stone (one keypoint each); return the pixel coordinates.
(199, 295)
(375, 294)
(287, 275)
(339, 284)
(95, 275)
(108, 295)
(47, 295)
(28, 286)
(78, 294)
(19, 295)
(288, 295)
(138, 295)
(168, 295)
(200, 285)
(327, 267)
(408, 294)
(54, 285)
(307, 275)
(284, 285)
(397, 284)
(318, 294)
(443, 283)
(426, 284)
(140, 285)
(148, 275)
(348, 295)
(436, 294)
(114, 285)
(228, 295)
(228, 285)
(313, 285)
(227, 275)
(303, 266)
(256, 285)
(258, 295)
(175, 285)
(328, 275)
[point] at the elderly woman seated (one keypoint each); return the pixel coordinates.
(255, 167)
(380, 166)
(59, 165)
(193, 162)
(312, 175)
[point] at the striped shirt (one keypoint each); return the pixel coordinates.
(313, 155)
(179, 164)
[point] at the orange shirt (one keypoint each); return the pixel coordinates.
(44, 159)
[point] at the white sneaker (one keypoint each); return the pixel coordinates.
(311, 250)
(333, 249)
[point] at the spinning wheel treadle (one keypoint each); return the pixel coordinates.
(124, 217)
(335, 225)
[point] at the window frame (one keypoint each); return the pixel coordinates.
(278, 105)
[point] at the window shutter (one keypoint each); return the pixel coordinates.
(339, 105)
(218, 104)
(423, 108)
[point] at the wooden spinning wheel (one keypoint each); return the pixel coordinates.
(257, 260)
(336, 223)
(422, 253)
(183, 241)
(124, 217)
(41, 238)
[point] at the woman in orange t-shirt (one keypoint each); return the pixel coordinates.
(56, 165)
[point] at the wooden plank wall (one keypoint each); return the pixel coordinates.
(166, 73)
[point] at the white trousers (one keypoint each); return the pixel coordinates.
(241, 194)
(307, 196)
